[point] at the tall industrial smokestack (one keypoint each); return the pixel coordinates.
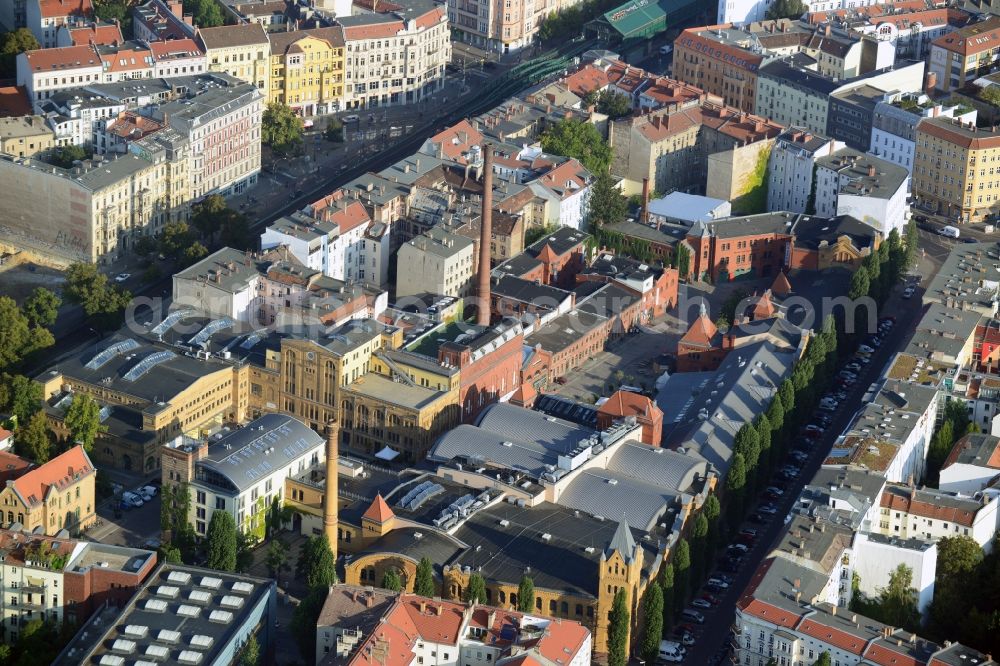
(485, 238)
(330, 494)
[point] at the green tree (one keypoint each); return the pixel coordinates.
(669, 594)
(682, 573)
(736, 481)
(316, 564)
(193, 254)
(824, 660)
(304, 622)
(176, 238)
(205, 214)
(712, 510)
(146, 245)
(222, 542)
(33, 440)
(682, 260)
(786, 9)
(41, 307)
(20, 396)
(170, 554)
(575, 138)
(860, 284)
(250, 656)
(898, 600)
(65, 156)
(277, 556)
(391, 581)
(423, 583)
(83, 418)
(776, 413)
(89, 288)
(607, 205)
(747, 443)
(18, 337)
(334, 131)
(786, 391)
(764, 430)
(476, 590)
(526, 594)
(245, 542)
(235, 231)
(110, 11)
(699, 536)
(11, 45)
(207, 13)
(281, 129)
(653, 630)
(613, 104)
(958, 557)
(990, 94)
(618, 625)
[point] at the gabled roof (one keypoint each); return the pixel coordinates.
(781, 286)
(763, 308)
(61, 472)
(379, 511)
(623, 542)
(701, 333)
(60, 8)
(627, 403)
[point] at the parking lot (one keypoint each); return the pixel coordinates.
(135, 526)
(709, 640)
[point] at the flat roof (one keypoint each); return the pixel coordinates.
(381, 388)
(179, 609)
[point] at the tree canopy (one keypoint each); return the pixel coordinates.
(11, 44)
(18, 337)
(424, 584)
(476, 590)
(391, 581)
(786, 9)
(102, 302)
(83, 418)
(207, 13)
(526, 594)
(607, 204)
(618, 624)
(653, 630)
(221, 542)
(575, 138)
(281, 128)
(316, 563)
(41, 307)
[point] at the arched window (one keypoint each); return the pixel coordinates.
(564, 608)
(552, 606)
(500, 595)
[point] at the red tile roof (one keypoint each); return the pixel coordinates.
(900, 500)
(456, 140)
(886, 656)
(175, 48)
(59, 473)
(781, 286)
(108, 35)
(60, 8)
(65, 57)
(14, 102)
(348, 217)
(379, 511)
(763, 308)
(954, 133)
(832, 636)
(127, 59)
(431, 17)
(976, 38)
(627, 403)
(11, 466)
(373, 30)
(585, 80)
(869, 12)
(701, 333)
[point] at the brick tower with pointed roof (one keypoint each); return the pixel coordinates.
(378, 519)
(620, 568)
(781, 287)
(702, 348)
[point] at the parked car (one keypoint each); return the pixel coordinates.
(132, 498)
(122, 277)
(768, 509)
(776, 491)
(685, 637)
(351, 118)
(143, 494)
(740, 548)
(709, 598)
(908, 293)
(151, 490)
(692, 616)
(866, 349)
(718, 581)
(701, 603)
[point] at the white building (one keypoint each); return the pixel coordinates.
(244, 470)
(972, 465)
(894, 124)
(436, 262)
(45, 71)
(876, 557)
(396, 58)
(929, 514)
(331, 240)
(566, 189)
(688, 208)
(742, 12)
(863, 186)
(44, 17)
(790, 168)
(177, 57)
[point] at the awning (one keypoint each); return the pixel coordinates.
(387, 454)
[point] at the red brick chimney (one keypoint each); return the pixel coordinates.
(930, 81)
(871, 170)
(485, 237)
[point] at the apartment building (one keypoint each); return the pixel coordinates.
(566, 190)
(161, 20)
(714, 59)
(307, 70)
(931, 514)
(57, 579)
(909, 29)
(96, 211)
(45, 71)
(242, 471)
(865, 187)
(951, 169)
(704, 147)
(894, 124)
(496, 26)
(45, 17)
(25, 136)
(972, 465)
(960, 57)
(220, 120)
(105, 34)
(436, 262)
(353, 619)
(791, 165)
(395, 58)
(54, 496)
(177, 57)
(242, 51)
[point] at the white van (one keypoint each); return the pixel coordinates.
(949, 231)
(666, 50)
(671, 652)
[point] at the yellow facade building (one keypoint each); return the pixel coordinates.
(239, 50)
(57, 495)
(307, 70)
(25, 136)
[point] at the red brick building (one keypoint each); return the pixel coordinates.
(554, 260)
(656, 286)
(625, 403)
(703, 347)
(490, 365)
